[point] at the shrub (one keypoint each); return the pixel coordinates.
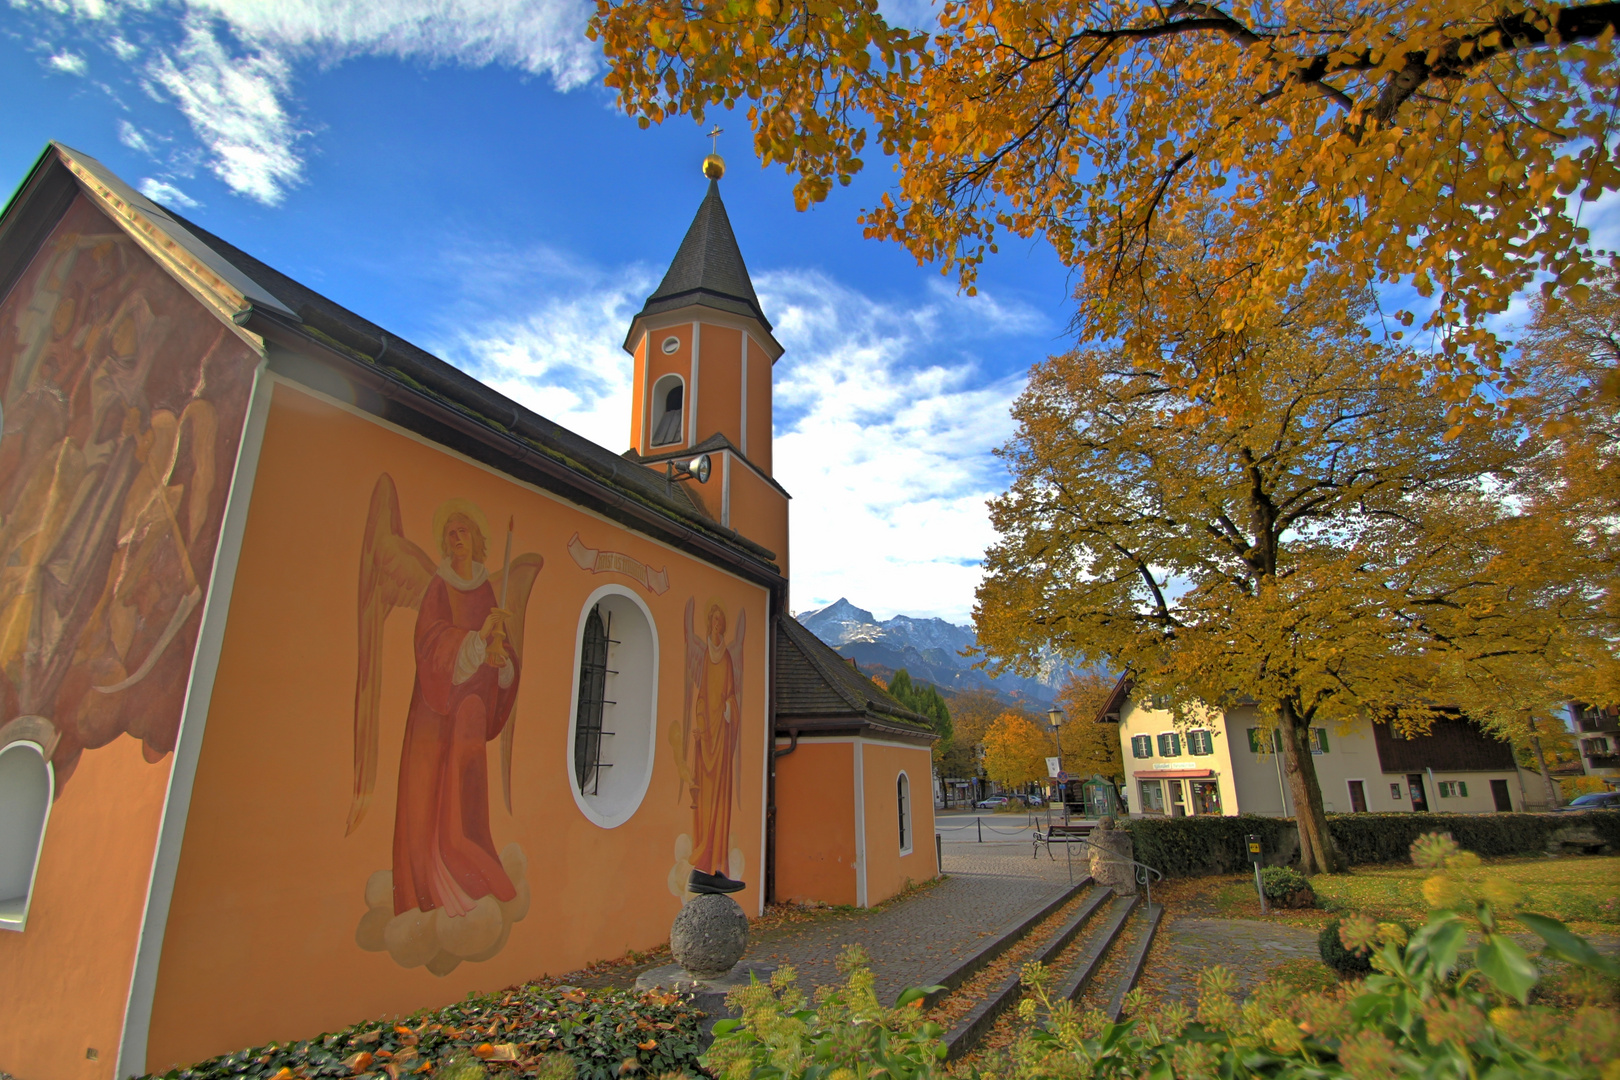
(1336, 956)
(1200, 845)
(1195, 846)
(554, 1034)
(1286, 887)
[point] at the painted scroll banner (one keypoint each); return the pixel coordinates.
(616, 562)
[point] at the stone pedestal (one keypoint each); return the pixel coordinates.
(707, 994)
(1111, 852)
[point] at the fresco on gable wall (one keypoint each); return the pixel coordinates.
(122, 401)
(708, 753)
(449, 896)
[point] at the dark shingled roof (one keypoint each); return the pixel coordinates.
(708, 269)
(816, 685)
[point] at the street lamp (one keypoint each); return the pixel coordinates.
(1054, 720)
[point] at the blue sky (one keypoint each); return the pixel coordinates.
(453, 170)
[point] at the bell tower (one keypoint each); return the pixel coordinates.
(703, 354)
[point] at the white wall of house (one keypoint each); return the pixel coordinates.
(1249, 780)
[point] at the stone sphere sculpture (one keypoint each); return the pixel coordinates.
(709, 936)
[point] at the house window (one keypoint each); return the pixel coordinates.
(1200, 742)
(1142, 746)
(1160, 701)
(1450, 789)
(26, 784)
(1319, 740)
(1395, 792)
(669, 395)
(902, 791)
(612, 737)
(1152, 792)
(1595, 747)
(1206, 797)
(1170, 744)
(1257, 736)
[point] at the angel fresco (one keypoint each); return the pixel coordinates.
(123, 404)
(449, 897)
(708, 753)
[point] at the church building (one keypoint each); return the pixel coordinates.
(335, 684)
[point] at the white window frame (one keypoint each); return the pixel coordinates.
(18, 921)
(908, 831)
(594, 807)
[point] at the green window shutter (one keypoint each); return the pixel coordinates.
(1254, 740)
(1462, 788)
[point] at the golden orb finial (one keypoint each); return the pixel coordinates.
(714, 166)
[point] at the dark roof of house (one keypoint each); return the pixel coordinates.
(1109, 713)
(708, 268)
(818, 691)
(524, 443)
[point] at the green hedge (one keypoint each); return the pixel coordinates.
(1199, 846)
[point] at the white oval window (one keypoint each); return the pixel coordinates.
(671, 344)
(612, 728)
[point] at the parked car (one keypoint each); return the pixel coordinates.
(1597, 800)
(993, 802)
(1033, 800)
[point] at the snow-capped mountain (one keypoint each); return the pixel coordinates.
(930, 649)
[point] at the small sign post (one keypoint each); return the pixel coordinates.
(1254, 857)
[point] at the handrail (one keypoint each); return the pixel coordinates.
(1144, 874)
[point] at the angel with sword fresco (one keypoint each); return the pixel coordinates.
(450, 896)
(709, 751)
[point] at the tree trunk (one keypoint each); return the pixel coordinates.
(1541, 766)
(1316, 852)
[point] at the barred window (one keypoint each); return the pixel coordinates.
(593, 673)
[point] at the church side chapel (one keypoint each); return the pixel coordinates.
(336, 685)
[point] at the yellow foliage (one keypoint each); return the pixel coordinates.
(1441, 143)
(1015, 750)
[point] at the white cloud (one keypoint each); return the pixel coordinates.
(132, 137)
(561, 357)
(68, 63)
(233, 103)
(238, 104)
(164, 192)
(883, 436)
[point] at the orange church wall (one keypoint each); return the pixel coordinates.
(273, 902)
(719, 392)
(887, 871)
(638, 376)
(123, 404)
(815, 823)
(759, 406)
(759, 511)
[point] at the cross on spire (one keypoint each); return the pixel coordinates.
(715, 134)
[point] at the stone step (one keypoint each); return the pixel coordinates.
(967, 1031)
(1086, 966)
(1149, 914)
(957, 972)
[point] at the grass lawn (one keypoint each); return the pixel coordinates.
(1581, 890)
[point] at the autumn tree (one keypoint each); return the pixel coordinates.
(1089, 747)
(972, 713)
(1016, 749)
(1330, 550)
(1442, 144)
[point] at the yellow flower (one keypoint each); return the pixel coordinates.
(1442, 892)
(1501, 892)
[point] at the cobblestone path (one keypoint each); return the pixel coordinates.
(914, 937)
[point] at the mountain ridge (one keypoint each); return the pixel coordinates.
(929, 648)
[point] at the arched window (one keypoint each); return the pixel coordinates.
(613, 736)
(25, 802)
(669, 397)
(902, 788)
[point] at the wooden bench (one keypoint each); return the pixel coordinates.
(1073, 833)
